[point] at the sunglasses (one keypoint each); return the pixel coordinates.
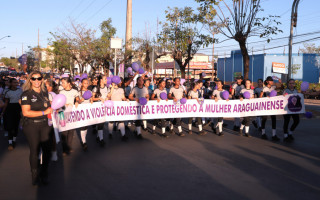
(39, 78)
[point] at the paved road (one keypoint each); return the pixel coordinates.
(193, 167)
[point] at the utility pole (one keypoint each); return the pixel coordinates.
(129, 25)
(212, 58)
(39, 52)
(294, 17)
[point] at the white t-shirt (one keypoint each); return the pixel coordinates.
(104, 91)
(193, 94)
(177, 92)
(257, 91)
(139, 92)
(218, 94)
(81, 97)
(117, 94)
(71, 95)
(157, 92)
(237, 89)
(266, 90)
(246, 90)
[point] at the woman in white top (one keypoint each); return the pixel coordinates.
(294, 102)
(194, 94)
(12, 110)
(72, 96)
(136, 93)
(117, 93)
(99, 94)
(246, 120)
(83, 130)
(269, 86)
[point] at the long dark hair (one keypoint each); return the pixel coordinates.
(81, 89)
(98, 93)
(10, 81)
(71, 83)
(54, 86)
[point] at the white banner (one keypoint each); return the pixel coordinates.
(88, 114)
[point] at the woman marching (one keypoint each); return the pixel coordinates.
(288, 135)
(72, 96)
(136, 93)
(156, 96)
(117, 94)
(82, 100)
(266, 93)
(12, 110)
(194, 94)
(176, 93)
(99, 94)
(246, 120)
(35, 106)
(217, 95)
(257, 91)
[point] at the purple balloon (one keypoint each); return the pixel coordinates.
(225, 95)
(143, 101)
(163, 96)
(84, 76)
(135, 66)
(308, 115)
(87, 95)
(109, 80)
(246, 95)
(108, 103)
(141, 70)
(203, 74)
(129, 70)
(304, 86)
(183, 100)
(58, 101)
(273, 93)
(116, 80)
(52, 94)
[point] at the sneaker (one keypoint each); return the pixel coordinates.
(84, 146)
(202, 132)
(171, 131)
(102, 143)
(10, 147)
(255, 124)
(110, 136)
(164, 135)
(275, 138)
(247, 135)
(220, 134)
(190, 132)
(240, 132)
(153, 132)
(139, 137)
(286, 139)
(291, 137)
(264, 136)
(124, 138)
(181, 134)
(54, 156)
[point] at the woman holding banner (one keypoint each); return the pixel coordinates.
(293, 101)
(72, 96)
(257, 91)
(194, 94)
(176, 93)
(117, 94)
(136, 93)
(269, 87)
(35, 106)
(99, 94)
(157, 96)
(217, 95)
(84, 100)
(247, 93)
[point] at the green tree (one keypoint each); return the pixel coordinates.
(10, 62)
(181, 35)
(310, 48)
(240, 21)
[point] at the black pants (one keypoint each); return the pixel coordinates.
(66, 140)
(13, 116)
(246, 121)
(264, 120)
(296, 120)
(162, 121)
(198, 120)
(177, 121)
(138, 123)
(38, 136)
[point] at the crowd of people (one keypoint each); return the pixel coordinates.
(26, 103)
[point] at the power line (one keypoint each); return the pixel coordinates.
(98, 10)
(86, 8)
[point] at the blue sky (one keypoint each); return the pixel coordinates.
(21, 19)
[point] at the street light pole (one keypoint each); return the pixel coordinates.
(294, 16)
(5, 37)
